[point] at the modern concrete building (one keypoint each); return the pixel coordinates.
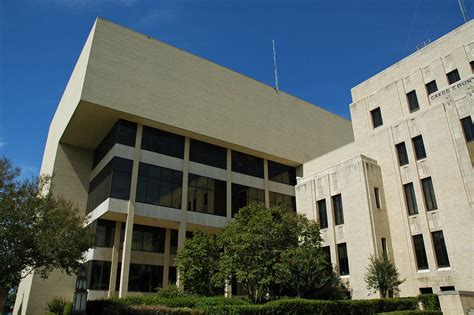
(405, 186)
(153, 143)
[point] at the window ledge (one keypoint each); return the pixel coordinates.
(444, 269)
(423, 271)
(345, 276)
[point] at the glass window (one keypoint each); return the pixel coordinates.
(426, 290)
(243, 196)
(376, 117)
(145, 278)
(162, 142)
(208, 154)
(159, 186)
(172, 276)
(431, 87)
(123, 132)
(429, 194)
(281, 199)
(468, 128)
(440, 249)
(327, 252)
(343, 259)
(112, 181)
(472, 66)
(322, 213)
(410, 199)
(420, 152)
(384, 246)
(104, 233)
(281, 173)
(413, 101)
(447, 288)
(453, 76)
(207, 195)
(377, 197)
(419, 245)
(402, 154)
(338, 211)
(98, 274)
(247, 164)
(174, 242)
(146, 238)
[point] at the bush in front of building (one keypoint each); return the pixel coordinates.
(58, 306)
(430, 302)
(122, 309)
(418, 312)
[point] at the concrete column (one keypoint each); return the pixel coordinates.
(229, 185)
(184, 200)
(166, 258)
(115, 259)
(127, 243)
(265, 178)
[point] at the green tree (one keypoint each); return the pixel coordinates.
(382, 276)
(38, 231)
(197, 264)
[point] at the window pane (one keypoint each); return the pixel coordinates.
(338, 212)
(208, 154)
(377, 197)
(327, 252)
(453, 76)
(281, 173)
(419, 146)
(421, 260)
(240, 197)
(247, 164)
(468, 128)
(440, 249)
(343, 259)
(162, 142)
(105, 233)
(376, 117)
(98, 274)
(402, 154)
(413, 101)
(323, 217)
(428, 194)
(410, 199)
(431, 87)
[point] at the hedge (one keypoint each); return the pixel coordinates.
(430, 302)
(413, 313)
(123, 309)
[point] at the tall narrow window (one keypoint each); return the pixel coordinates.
(402, 154)
(413, 101)
(327, 252)
(419, 146)
(431, 87)
(338, 211)
(323, 216)
(440, 249)
(429, 194)
(384, 246)
(410, 199)
(472, 66)
(343, 259)
(376, 117)
(377, 197)
(453, 76)
(419, 245)
(468, 128)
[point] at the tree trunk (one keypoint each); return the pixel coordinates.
(3, 299)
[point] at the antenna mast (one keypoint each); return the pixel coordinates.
(275, 64)
(463, 10)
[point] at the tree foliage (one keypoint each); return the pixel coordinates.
(38, 231)
(271, 252)
(382, 276)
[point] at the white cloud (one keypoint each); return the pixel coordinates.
(153, 17)
(2, 144)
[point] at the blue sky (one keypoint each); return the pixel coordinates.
(323, 48)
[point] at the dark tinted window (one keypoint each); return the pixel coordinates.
(104, 233)
(453, 76)
(172, 275)
(145, 278)
(159, 186)
(112, 181)
(421, 260)
(410, 199)
(440, 249)
(384, 246)
(247, 164)
(431, 87)
(174, 242)
(429, 194)
(447, 288)
(419, 146)
(123, 132)
(338, 212)
(468, 128)
(402, 154)
(284, 200)
(472, 66)
(413, 101)
(376, 117)
(327, 252)
(207, 195)
(162, 142)
(377, 197)
(146, 238)
(343, 259)
(98, 274)
(242, 196)
(209, 154)
(323, 215)
(427, 290)
(281, 173)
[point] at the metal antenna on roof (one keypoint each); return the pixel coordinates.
(463, 10)
(275, 64)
